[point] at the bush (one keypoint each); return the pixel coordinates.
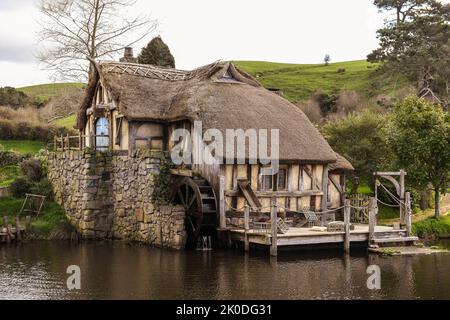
(32, 170)
(341, 70)
(327, 102)
(432, 228)
(12, 97)
(20, 186)
(8, 158)
(43, 188)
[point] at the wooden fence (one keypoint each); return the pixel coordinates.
(78, 142)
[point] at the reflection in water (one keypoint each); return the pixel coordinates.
(119, 271)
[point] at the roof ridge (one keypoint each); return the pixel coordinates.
(158, 72)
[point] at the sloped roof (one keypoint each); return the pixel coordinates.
(221, 96)
(341, 165)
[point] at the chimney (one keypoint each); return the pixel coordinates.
(128, 56)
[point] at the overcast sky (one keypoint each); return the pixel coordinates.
(199, 32)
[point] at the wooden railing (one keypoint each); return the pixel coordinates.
(78, 142)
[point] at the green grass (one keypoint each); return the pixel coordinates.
(432, 227)
(45, 92)
(22, 146)
(50, 218)
(8, 174)
(299, 81)
(67, 122)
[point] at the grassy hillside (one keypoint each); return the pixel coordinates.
(44, 92)
(299, 81)
(22, 146)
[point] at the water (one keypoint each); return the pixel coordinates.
(119, 271)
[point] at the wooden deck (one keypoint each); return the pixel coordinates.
(308, 236)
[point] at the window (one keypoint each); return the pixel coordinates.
(275, 182)
(281, 177)
(118, 130)
(101, 134)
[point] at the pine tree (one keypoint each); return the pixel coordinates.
(157, 53)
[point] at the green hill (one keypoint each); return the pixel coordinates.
(299, 81)
(44, 92)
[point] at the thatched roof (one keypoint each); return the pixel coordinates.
(341, 165)
(221, 96)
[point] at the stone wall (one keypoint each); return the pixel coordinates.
(110, 197)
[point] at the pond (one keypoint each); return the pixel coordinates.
(119, 271)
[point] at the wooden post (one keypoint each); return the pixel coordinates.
(222, 217)
(408, 212)
(373, 210)
(274, 229)
(246, 226)
(54, 143)
(347, 226)
(402, 197)
(18, 227)
(324, 194)
(68, 142)
(80, 141)
(5, 225)
(28, 222)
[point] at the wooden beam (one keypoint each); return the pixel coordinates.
(325, 193)
(347, 226)
(315, 185)
(373, 210)
(246, 227)
(408, 213)
(336, 184)
(388, 173)
(274, 231)
(222, 217)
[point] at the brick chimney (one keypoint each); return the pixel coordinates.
(128, 56)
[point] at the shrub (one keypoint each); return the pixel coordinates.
(32, 170)
(312, 110)
(341, 70)
(327, 102)
(20, 186)
(8, 158)
(44, 188)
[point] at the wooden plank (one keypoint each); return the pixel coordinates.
(274, 231)
(372, 218)
(222, 217)
(270, 194)
(325, 193)
(388, 173)
(246, 227)
(408, 213)
(347, 226)
(181, 172)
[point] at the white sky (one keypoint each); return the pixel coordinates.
(199, 32)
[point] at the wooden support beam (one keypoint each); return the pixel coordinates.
(408, 212)
(18, 229)
(325, 194)
(222, 217)
(347, 226)
(402, 197)
(273, 224)
(246, 227)
(373, 210)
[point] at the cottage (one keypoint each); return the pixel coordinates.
(139, 106)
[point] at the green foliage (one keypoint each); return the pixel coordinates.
(8, 174)
(11, 97)
(8, 157)
(162, 182)
(67, 122)
(22, 146)
(44, 92)
(299, 81)
(32, 170)
(327, 102)
(432, 228)
(416, 44)
(419, 135)
(361, 139)
(157, 53)
(23, 130)
(20, 186)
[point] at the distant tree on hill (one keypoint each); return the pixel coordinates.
(417, 44)
(327, 59)
(13, 98)
(157, 53)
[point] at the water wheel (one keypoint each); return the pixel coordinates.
(199, 201)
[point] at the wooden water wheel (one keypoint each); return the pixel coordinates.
(199, 201)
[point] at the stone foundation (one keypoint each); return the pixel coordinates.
(110, 197)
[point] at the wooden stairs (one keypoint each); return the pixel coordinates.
(392, 238)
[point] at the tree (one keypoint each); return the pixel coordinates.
(417, 45)
(327, 59)
(73, 30)
(419, 135)
(361, 139)
(157, 53)
(82, 31)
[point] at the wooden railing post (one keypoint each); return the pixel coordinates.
(18, 227)
(222, 217)
(402, 198)
(246, 226)
(347, 209)
(408, 212)
(373, 210)
(68, 142)
(274, 229)
(54, 143)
